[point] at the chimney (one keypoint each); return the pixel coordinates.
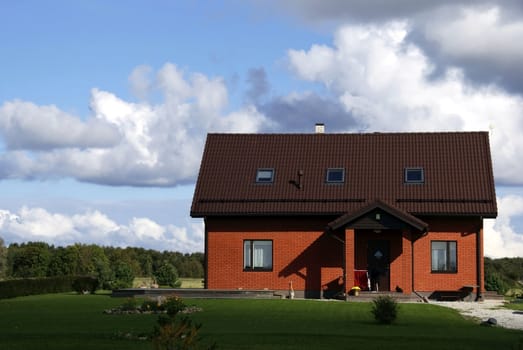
(319, 128)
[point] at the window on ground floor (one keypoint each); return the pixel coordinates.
(257, 255)
(444, 257)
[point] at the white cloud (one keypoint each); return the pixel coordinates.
(146, 229)
(158, 144)
(37, 224)
(24, 125)
(501, 238)
(386, 84)
(478, 33)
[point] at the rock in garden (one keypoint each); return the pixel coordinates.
(490, 322)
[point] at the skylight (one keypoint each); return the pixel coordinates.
(265, 175)
(335, 175)
(414, 175)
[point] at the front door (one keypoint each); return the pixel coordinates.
(378, 261)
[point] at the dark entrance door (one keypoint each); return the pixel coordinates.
(378, 261)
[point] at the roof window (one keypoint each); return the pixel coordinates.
(265, 175)
(335, 175)
(414, 175)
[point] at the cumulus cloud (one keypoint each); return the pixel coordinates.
(478, 36)
(142, 143)
(26, 126)
(300, 111)
(94, 227)
(481, 40)
(500, 237)
(386, 85)
(374, 10)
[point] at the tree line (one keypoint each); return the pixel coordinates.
(504, 275)
(114, 267)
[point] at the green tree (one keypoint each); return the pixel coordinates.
(64, 261)
(94, 262)
(167, 275)
(123, 276)
(3, 259)
(30, 260)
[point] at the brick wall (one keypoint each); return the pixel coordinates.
(301, 253)
(312, 260)
(464, 232)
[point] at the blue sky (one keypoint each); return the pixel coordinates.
(105, 105)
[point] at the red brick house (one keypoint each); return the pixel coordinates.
(326, 212)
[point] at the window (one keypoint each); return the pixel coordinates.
(335, 175)
(257, 255)
(265, 175)
(414, 175)
(444, 257)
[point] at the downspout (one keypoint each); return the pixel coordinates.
(205, 255)
(479, 297)
(412, 261)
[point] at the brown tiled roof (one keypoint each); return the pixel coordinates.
(457, 171)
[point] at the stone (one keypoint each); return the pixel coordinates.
(490, 322)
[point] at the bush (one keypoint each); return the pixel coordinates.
(167, 275)
(33, 286)
(172, 332)
(385, 309)
(494, 282)
(131, 304)
(173, 305)
(123, 277)
(85, 284)
(151, 305)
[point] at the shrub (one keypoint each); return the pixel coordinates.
(173, 305)
(130, 304)
(167, 275)
(59, 284)
(85, 284)
(175, 333)
(150, 305)
(385, 309)
(123, 277)
(495, 282)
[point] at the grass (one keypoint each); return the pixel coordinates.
(67, 321)
(515, 304)
(192, 282)
(284, 324)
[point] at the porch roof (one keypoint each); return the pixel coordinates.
(347, 219)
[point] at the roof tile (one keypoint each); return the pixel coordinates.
(457, 168)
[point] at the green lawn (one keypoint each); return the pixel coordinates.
(68, 321)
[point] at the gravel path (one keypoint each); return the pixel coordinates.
(487, 309)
